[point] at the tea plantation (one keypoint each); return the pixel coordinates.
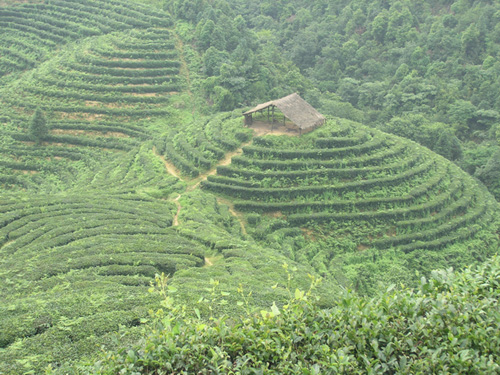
(123, 163)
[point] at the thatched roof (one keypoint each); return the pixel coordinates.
(300, 112)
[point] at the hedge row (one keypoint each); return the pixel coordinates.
(41, 27)
(44, 152)
(193, 154)
(112, 97)
(179, 161)
(231, 171)
(327, 153)
(162, 88)
(454, 208)
(293, 192)
(431, 234)
(144, 54)
(338, 142)
(43, 34)
(129, 64)
(101, 128)
(360, 204)
(360, 161)
(130, 73)
(109, 79)
(392, 214)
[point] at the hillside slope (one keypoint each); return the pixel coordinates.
(134, 177)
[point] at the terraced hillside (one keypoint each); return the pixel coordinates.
(196, 147)
(85, 262)
(118, 76)
(358, 189)
(29, 32)
(100, 95)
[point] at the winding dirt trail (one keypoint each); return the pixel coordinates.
(195, 183)
(225, 161)
(175, 222)
(233, 212)
(168, 166)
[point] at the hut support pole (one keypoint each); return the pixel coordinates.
(273, 115)
(267, 114)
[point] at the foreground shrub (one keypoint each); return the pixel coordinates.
(450, 324)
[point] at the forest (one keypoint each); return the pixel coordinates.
(146, 229)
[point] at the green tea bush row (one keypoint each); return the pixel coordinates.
(180, 161)
(453, 208)
(43, 34)
(102, 127)
(203, 143)
(230, 171)
(145, 54)
(293, 192)
(91, 19)
(360, 204)
(391, 214)
(9, 179)
(102, 79)
(361, 161)
(130, 73)
(156, 88)
(28, 40)
(472, 215)
(117, 13)
(18, 56)
(128, 64)
(42, 27)
(112, 97)
(44, 152)
(339, 142)
(317, 153)
(462, 234)
(75, 24)
(193, 153)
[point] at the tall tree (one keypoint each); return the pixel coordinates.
(38, 128)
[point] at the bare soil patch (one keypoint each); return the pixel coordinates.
(261, 128)
(168, 166)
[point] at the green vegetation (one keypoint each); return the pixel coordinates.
(409, 68)
(123, 156)
(376, 193)
(398, 332)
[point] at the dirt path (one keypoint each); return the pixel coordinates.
(168, 166)
(208, 262)
(261, 128)
(195, 183)
(233, 212)
(225, 161)
(175, 222)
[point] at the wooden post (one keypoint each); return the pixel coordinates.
(273, 115)
(267, 114)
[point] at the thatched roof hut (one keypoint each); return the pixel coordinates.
(293, 107)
